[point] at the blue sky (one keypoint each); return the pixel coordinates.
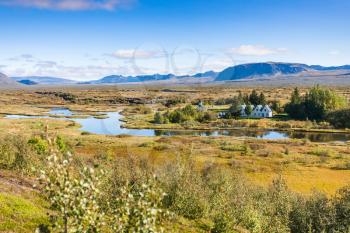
(89, 39)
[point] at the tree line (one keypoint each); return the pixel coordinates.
(319, 104)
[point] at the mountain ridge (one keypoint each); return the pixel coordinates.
(147, 78)
(241, 72)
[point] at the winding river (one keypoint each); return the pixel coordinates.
(112, 125)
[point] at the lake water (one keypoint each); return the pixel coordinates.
(61, 112)
(112, 125)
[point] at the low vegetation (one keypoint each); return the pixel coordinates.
(97, 183)
(136, 196)
(186, 114)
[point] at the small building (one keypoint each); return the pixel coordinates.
(258, 111)
(201, 107)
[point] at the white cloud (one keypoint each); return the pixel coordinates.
(23, 57)
(46, 64)
(138, 54)
(334, 52)
(69, 4)
(255, 50)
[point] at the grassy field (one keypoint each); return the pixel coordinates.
(305, 166)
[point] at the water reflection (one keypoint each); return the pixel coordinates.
(112, 125)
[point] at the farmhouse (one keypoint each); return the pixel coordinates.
(258, 111)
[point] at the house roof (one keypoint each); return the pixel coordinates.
(258, 108)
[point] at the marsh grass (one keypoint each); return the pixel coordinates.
(322, 152)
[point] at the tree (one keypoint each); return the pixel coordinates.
(296, 107)
(262, 99)
(254, 98)
(248, 110)
(296, 98)
(339, 118)
(235, 109)
(320, 101)
(276, 106)
(315, 105)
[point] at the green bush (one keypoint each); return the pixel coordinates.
(221, 224)
(340, 118)
(186, 114)
(15, 153)
(40, 145)
(313, 214)
(185, 190)
(341, 204)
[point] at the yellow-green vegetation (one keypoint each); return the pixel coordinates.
(20, 215)
(217, 184)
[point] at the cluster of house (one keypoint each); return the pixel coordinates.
(258, 111)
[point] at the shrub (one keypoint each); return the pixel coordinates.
(85, 133)
(185, 190)
(15, 153)
(142, 109)
(221, 224)
(138, 208)
(339, 119)
(40, 145)
(160, 147)
(321, 152)
(158, 118)
(62, 145)
(313, 214)
(341, 204)
(74, 200)
(174, 101)
(232, 147)
(209, 116)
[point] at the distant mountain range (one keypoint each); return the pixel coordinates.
(150, 78)
(43, 80)
(244, 72)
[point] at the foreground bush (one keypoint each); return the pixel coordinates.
(130, 199)
(79, 205)
(74, 200)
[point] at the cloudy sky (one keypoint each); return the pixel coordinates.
(89, 39)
